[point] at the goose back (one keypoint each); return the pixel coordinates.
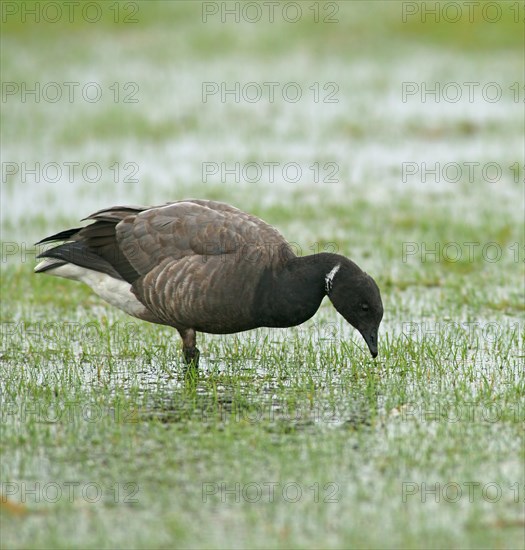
(199, 263)
(192, 263)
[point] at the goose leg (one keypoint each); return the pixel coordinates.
(189, 347)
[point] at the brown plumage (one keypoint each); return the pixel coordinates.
(205, 266)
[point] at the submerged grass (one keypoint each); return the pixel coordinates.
(282, 439)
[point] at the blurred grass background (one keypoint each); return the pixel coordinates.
(378, 26)
(170, 52)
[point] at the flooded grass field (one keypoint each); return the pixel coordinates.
(367, 129)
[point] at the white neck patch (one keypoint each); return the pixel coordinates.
(329, 277)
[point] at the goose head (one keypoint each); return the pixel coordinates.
(355, 295)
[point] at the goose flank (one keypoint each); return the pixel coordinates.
(206, 266)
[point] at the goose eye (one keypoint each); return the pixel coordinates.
(365, 307)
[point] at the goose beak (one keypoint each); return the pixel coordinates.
(370, 337)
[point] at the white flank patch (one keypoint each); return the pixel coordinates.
(330, 277)
(114, 291)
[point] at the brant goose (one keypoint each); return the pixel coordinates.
(205, 266)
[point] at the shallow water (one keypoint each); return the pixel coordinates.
(370, 165)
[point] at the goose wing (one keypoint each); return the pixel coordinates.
(93, 246)
(196, 228)
(192, 264)
(199, 263)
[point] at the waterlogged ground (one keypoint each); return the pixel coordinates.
(291, 438)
